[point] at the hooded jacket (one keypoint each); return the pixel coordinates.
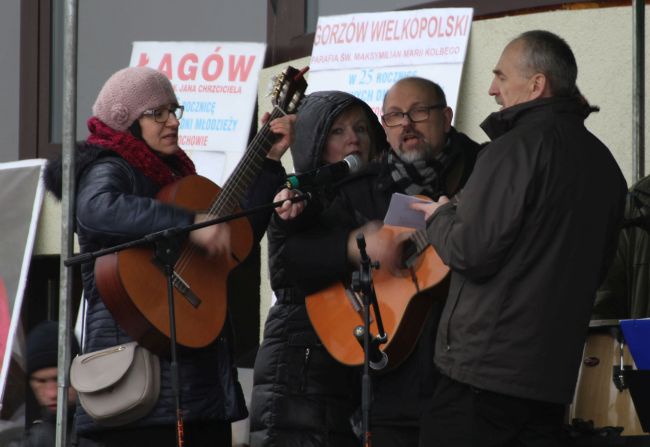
(316, 115)
(315, 118)
(528, 243)
(301, 396)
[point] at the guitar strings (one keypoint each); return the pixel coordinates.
(228, 200)
(251, 156)
(224, 200)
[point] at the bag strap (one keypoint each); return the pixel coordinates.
(84, 308)
(83, 324)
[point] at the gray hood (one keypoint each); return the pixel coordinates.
(316, 114)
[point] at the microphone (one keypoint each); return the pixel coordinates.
(377, 359)
(325, 175)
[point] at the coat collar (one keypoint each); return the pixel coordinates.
(498, 123)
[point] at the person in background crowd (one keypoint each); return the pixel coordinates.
(42, 360)
(625, 293)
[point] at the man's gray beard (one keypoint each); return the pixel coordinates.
(424, 152)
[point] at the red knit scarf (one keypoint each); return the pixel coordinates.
(139, 155)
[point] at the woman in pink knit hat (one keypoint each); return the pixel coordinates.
(131, 153)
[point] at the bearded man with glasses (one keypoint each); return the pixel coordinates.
(428, 155)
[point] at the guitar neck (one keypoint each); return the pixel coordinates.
(246, 170)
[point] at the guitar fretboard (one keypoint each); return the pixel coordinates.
(246, 170)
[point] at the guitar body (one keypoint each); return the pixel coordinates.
(134, 288)
(404, 296)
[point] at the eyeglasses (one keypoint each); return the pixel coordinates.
(419, 114)
(161, 114)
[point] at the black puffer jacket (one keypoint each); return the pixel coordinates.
(115, 203)
(301, 395)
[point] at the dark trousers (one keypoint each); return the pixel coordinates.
(213, 434)
(394, 436)
(463, 416)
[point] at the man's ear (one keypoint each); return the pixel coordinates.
(539, 87)
(447, 115)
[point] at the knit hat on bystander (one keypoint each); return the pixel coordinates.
(43, 346)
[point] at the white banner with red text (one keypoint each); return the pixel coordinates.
(364, 54)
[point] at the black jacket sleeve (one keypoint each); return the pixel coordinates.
(474, 236)
(114, 206)
(261, 192)
(311, 252)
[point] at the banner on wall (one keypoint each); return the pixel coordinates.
(21, 198)
(364, 54)
(217, 84)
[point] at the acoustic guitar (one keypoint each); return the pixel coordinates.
(134, 287)
(405, 291)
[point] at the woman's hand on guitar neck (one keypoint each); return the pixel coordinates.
(283, 127)
(214, 239)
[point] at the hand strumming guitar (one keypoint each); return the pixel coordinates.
(214, 239)
(380, 246)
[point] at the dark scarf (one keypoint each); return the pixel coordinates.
(136, 152)
(425, 177)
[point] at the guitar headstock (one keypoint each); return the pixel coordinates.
(289, 89)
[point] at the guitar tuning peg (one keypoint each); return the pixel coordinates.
(270, 88)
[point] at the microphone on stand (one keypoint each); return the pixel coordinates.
(325, 175)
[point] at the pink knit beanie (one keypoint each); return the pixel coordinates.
(128, 93)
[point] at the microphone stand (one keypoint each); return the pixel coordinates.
(175, 231)
(167, 250)
(362, 283)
